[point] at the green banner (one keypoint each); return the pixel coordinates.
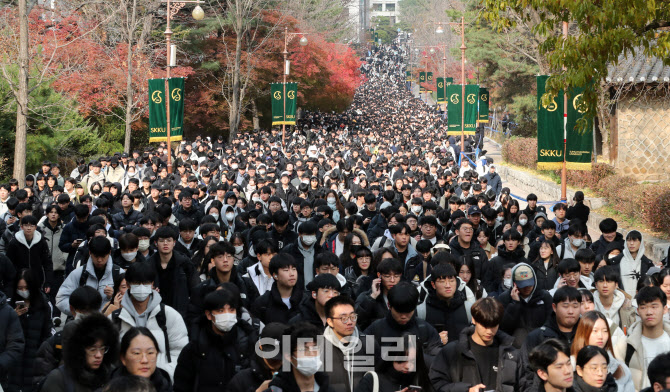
(471, 94)
(454, 92)
(283, 113)
(429, 78)
(408, 76)
(157, 117)
(579, 145)
(549, 129)
(376, 36)
(483, 105)
(422, 79)
(441, 91)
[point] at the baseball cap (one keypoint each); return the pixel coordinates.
(523, 276)
(474, 210)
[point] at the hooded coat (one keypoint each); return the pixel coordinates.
(600, 246)
(636, 364)
(176, 329)
(269, 307)
(524, 315)
(71, 283)
(631, 270)
(452, 316)
(52, 236)
(35, 256)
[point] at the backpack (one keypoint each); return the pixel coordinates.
(116, 272)
(161, 318)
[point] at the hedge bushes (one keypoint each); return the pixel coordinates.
(648, 203)
(520, 151)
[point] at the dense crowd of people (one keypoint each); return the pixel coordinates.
(364, 255)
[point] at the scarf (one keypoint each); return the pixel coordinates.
(347, 350)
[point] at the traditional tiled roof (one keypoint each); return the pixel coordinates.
(638, 69)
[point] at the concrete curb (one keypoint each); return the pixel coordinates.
(655, 248)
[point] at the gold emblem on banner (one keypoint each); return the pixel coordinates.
(454, 98)
(440, 85)
(176, 94)
(471, 98)
(484, 97)
(277, 95)
(575, 103)
(291, 94)
(156, 97)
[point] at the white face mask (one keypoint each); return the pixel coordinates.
(140, 291)
(252, 253)
(308, 240)
(331, 200)
(225, 321)
(230, 216)
(308, 366)
(416, 209)
(143, 245)
(216, 216)
(507, 283)
(256, 199)
(239, 249)
(576, 242)
(130, 256)
(234, 167)
(25, 294)
(500, 219)
(523, 222)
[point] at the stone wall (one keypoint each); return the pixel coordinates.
(644, 138)
(656, 249)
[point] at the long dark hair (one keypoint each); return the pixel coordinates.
(131, 334)
(473, 284)
(199, 257)
(553, 260)
(36, 299)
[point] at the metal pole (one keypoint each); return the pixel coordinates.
(463, 47)
(444, 75)
(168, 34)
(285, 53)
(564, 170)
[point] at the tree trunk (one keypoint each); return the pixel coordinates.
(254, 115)
(235, 104)
(129, 79)
(22, 98)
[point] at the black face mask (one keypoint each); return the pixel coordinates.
(355, 248)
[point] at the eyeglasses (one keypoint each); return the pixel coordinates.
(391, 276)
(347, 319)
(94, 350)
(137, 356)
(164, 240)
(466, 229)
(596, 368)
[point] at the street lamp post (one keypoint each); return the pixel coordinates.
(288, 37)
(459, 27)
(172, 8)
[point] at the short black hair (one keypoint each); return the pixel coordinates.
(129, 383)
(266, 245)
(281, 260)
(326, 258)
(512, 235)
(280, 218)
(99, 246)
(658, 369)
(218, 299)
(336, 301)
(568, 265)
(587, 353)
(85, 299)
(187, 224)
(543, 355)
(221, 248)
(300, 333)
(128, 241)
(165, 232)
(607, 225)
(403, 297)
(488, 312)
(442, 271)
(634, 235)
(28, 220)
(140, 273)
(585, 255)
(398, 228)
(548, 224)
(308, 227)
(567, 293)
(390, 265)
(650, 294)
(606, 273)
